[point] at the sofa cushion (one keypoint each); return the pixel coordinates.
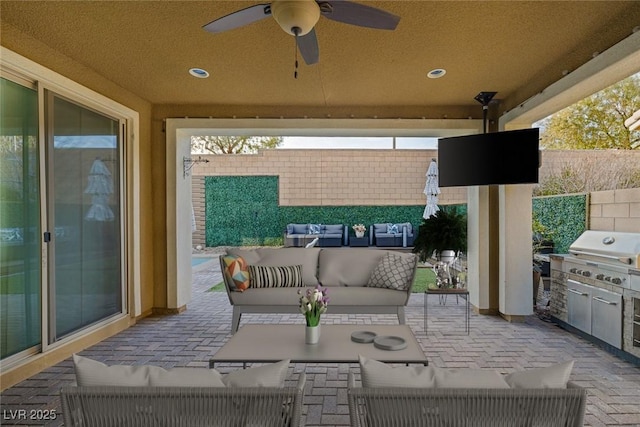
(378, 374)
(184, 377)
(297, 228)
(352, 267)
(334, 229)
(394, 271)
(340, 296)
(285, 276)
(237, 272)
(555, 376)
(308, 258)
(468, 378)
(271, 375)
(91, 373)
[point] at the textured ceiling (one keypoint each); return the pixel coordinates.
(516, 48)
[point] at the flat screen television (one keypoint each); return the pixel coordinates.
(509, 157)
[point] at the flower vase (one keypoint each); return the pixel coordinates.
(312, 334)
(359, 234)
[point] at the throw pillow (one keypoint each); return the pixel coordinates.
(184, 377)
(378, 374)
(271, 375)
(91, 373)
(236, 270)
(314, 228)
(287, 276)
(394, 271)
(392, 228)
(555, 376)
(468, 378)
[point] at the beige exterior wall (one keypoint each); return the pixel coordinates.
(338, 177)
(615, 210)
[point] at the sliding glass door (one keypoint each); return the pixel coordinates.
(84, 194)
(20, 243)
(61, 231)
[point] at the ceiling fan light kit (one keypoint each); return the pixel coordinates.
(296, 17)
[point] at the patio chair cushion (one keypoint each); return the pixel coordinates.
(468, 378)
(237, 271)
(378, 374)
(91, 373)
(394, 271)
(184, 377)
(286, 276)
(297, 228)
(554, 376)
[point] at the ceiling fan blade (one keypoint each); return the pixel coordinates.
(308, 46)
(239, 18)
(358, 14)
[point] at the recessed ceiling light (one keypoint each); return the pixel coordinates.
(199, 73)
(436, 73)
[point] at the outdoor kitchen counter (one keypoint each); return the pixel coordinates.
(629, 289)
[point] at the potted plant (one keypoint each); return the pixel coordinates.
(444, 231)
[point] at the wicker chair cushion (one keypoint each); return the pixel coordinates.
(91, 373)
(555, 376)
(377, 374)
(468, 378)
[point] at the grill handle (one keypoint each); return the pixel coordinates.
(624, 260)
(582, 294)
(604, 301)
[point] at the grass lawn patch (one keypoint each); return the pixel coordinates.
(424, 277)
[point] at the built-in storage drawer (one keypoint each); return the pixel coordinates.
(606, 316)
(579, 305)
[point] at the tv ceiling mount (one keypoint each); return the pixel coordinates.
(485, 98)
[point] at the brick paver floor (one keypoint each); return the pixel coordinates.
(190, 338)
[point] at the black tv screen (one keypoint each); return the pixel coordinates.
(509, 157)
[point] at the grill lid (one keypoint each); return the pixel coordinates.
(609, 247)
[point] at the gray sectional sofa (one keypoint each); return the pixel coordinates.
(359, 280)
(299, 235)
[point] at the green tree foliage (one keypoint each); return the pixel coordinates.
(596, 122)
(233, 144)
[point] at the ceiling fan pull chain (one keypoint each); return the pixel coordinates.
(295, 72)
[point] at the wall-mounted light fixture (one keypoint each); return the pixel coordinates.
(188, 163)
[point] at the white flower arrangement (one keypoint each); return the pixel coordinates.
(359, 228)
(313, 303)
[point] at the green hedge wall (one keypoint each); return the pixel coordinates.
(244, 210)
(565, 216)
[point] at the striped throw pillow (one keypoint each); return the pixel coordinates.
(286, 276)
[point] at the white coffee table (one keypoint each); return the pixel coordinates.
(255, 343)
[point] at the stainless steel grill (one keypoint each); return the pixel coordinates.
(599, 267)
(608, 247)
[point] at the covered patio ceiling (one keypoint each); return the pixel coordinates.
(516, 48)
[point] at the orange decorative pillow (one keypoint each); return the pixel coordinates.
(237, 271)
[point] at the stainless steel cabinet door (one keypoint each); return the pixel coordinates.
(579, 305)
(606, 316)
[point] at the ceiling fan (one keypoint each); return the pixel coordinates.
(298, 17)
